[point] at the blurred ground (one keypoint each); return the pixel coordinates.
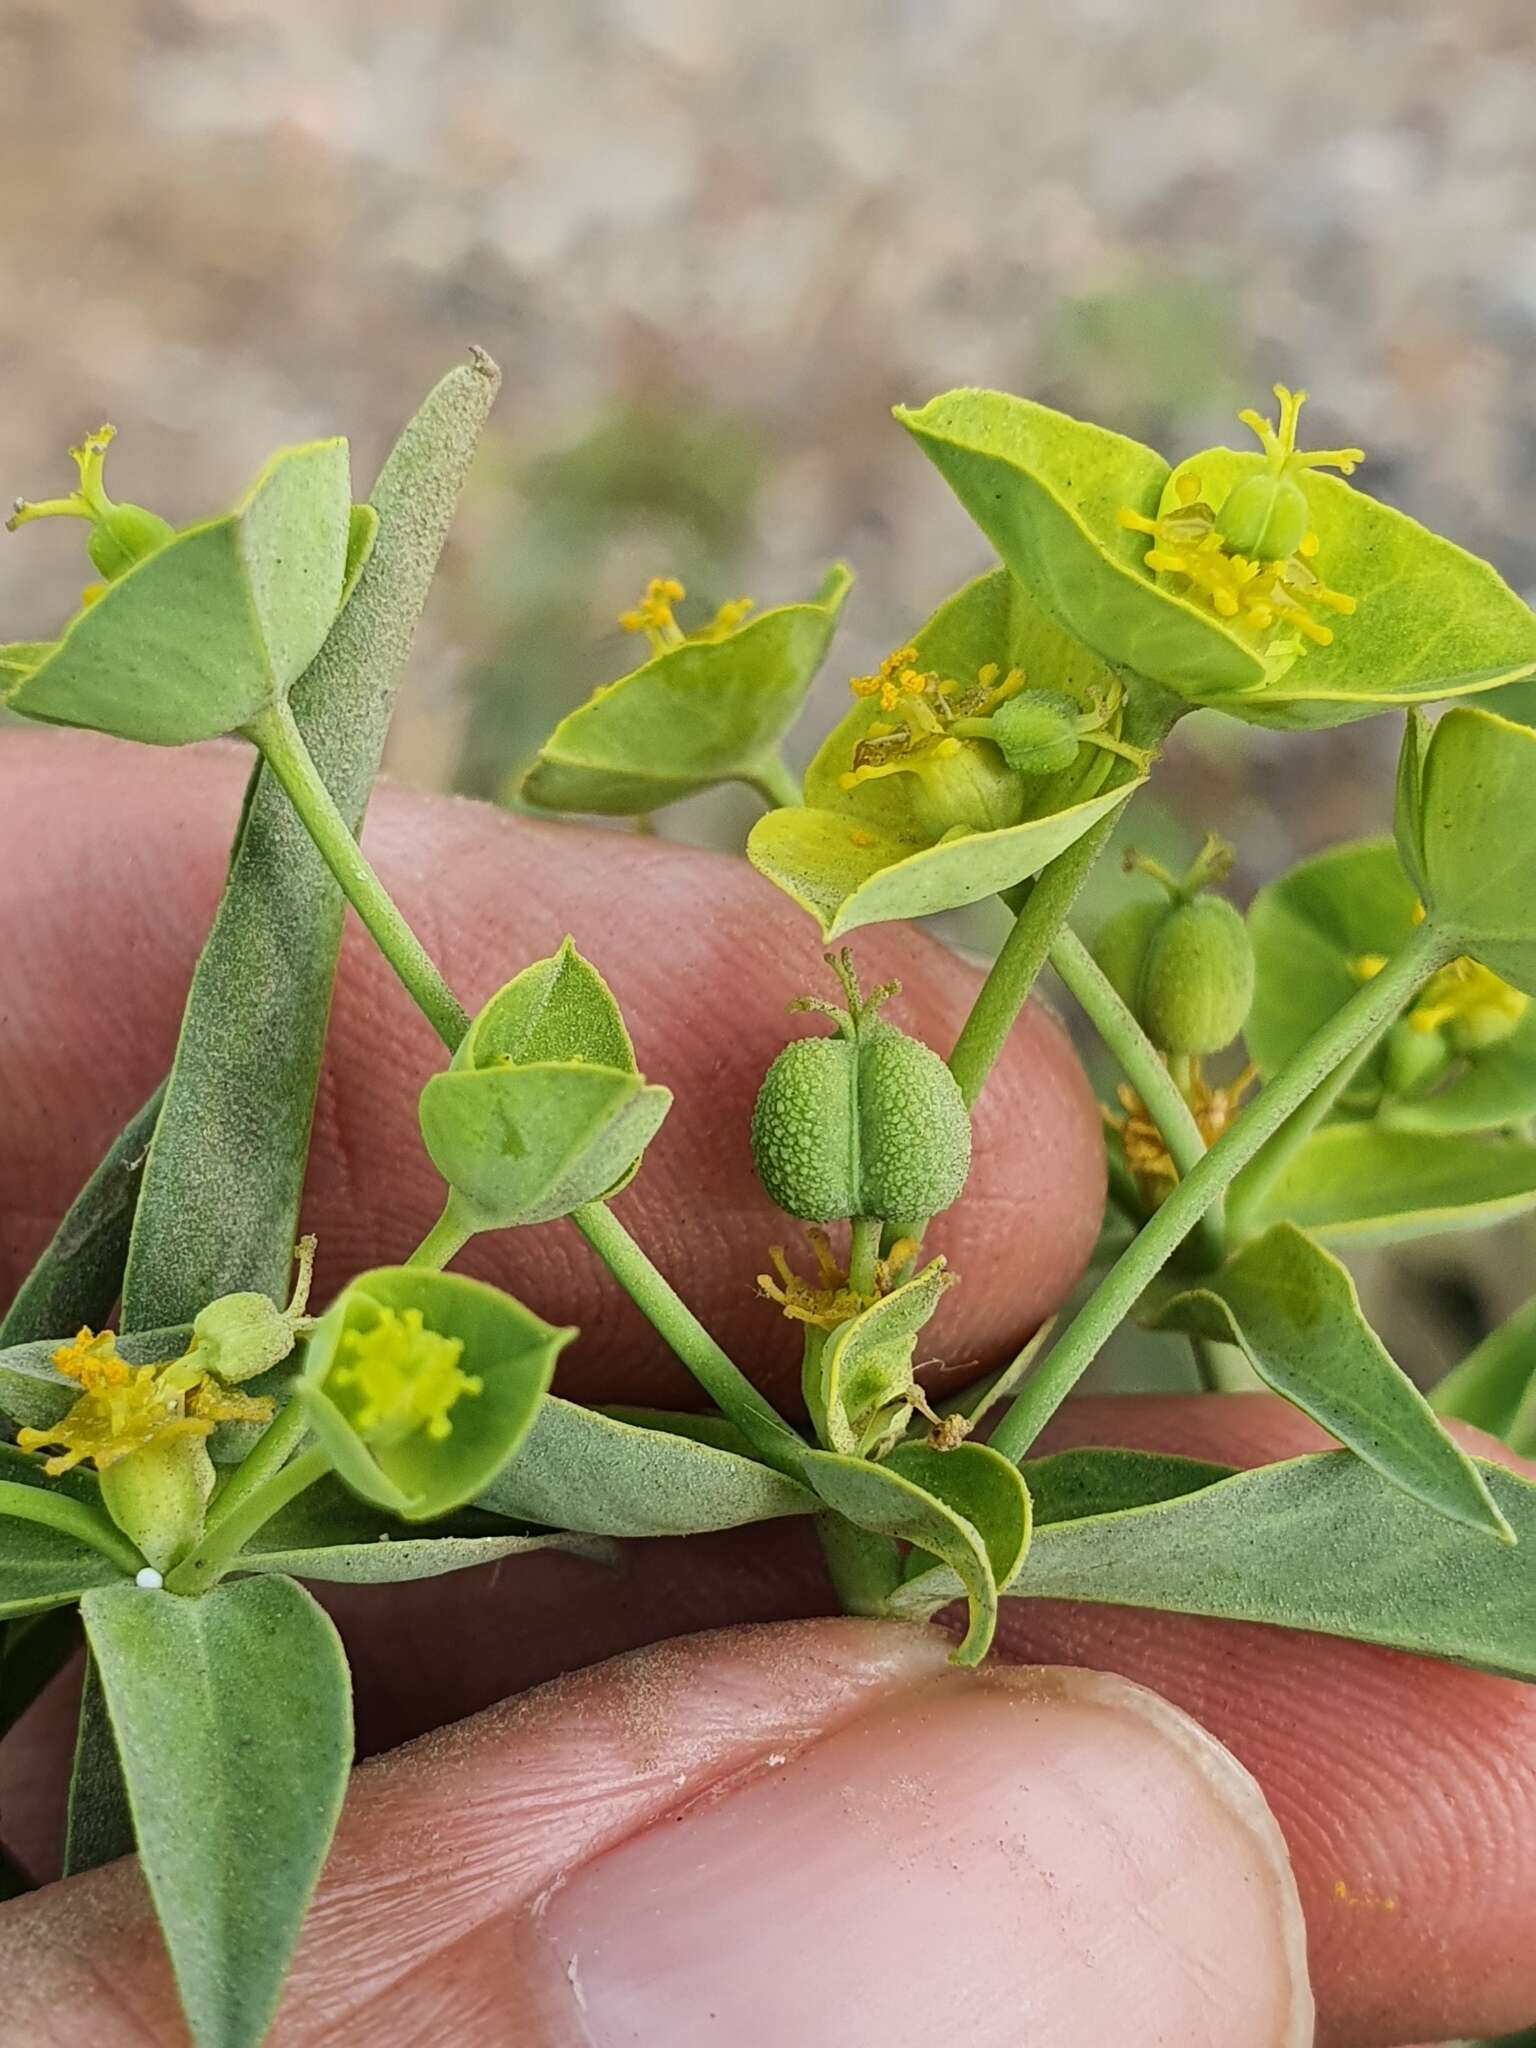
(710, 244)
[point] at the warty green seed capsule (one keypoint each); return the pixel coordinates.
(868, 1122)
(1197, 978)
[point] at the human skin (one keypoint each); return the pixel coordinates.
(779, 1814)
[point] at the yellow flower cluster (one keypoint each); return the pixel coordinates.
(922, 706)
(1246, 590)
(402, 1377)
(828, 1300)
(122, 1407)
(653, 616)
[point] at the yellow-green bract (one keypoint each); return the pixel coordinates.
(858, 1383)
(1466, 829)
(875, 851)
(542, 1109)
(419, 1386)
(1048, 491)
(216, 626)
(702, 712)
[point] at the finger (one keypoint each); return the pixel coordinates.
(701, 952)
(808, 1834)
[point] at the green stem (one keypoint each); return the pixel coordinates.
(1142, 1066)
(1117, 1294)
(282, 745)
(202, 1568)
(775, 782)
(446, 1239)
(1223, 1368)
(863, 1254)
(72, 1517)
(865, 1569)
(270, 1452)
(1272, 1159)
(1150, 716)
(724, 1382)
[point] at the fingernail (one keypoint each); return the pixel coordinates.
(1034, 1857)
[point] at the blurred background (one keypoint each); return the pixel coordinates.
(710, 245)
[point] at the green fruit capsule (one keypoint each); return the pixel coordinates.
(1122, 943)
(1265, 518)
(1196, 983)
(868, 1122)
(1038, 732)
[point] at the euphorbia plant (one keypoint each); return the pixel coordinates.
(178, 1476)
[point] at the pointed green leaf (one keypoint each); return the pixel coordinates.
(98, 1825)
(557, 1009)
(1478, 830)
(1363, 1184)
(1318, 1543)
(881, 1500)
(1071, 1485)
(1408, 800)
(42, 1567)
(233, 1720)
(204, 634)
(820, 858)
(703, 712)
(1495, 1385)
(1431, 620)
(327, 1534)
(579, 1469)
(1293, 1310)
(1045, 490)
(401, 1461)
(256, 1015)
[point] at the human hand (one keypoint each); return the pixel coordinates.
(810, 1832)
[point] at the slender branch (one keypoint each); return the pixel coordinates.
(724, 1382)
(446, 1239)
(204, 1566)
(270, 1452)
(55, 1510)
(1139, 1061)
(1117, 1294)
(863, 1254)
(1272, 1158)
(282, 745)
(775, 782)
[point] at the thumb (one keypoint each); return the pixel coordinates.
(814, 1833)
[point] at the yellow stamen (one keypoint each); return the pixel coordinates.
(401, 1377)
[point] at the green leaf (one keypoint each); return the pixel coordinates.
(987, 1489)
(558, 1009)
(394, 1460)
(233, 1138)
(1432, 620)
(233, 1720)
(524, 1145)
(1308, 929)
(1071, 1485)
(328, 1534)
(80, 1272)
(1363, 1183)
(858, 857)
(881, 1500)
(1484, 1092)
(1045, 490)
(99, 1825)
(205, 633)
(865, 1366)
(704, 712)
(55, 1536)
(1477, 826)
(42, 1567)
(1495, 1385)
(1294, 1312)
(1318, 1543)
(580, 1469)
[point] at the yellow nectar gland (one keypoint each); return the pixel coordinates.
(403, 1377)
(829, 1300)
(920, 707)
(124, 1407)
(1145, 1153)
(1254, 595)
(653, 617)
